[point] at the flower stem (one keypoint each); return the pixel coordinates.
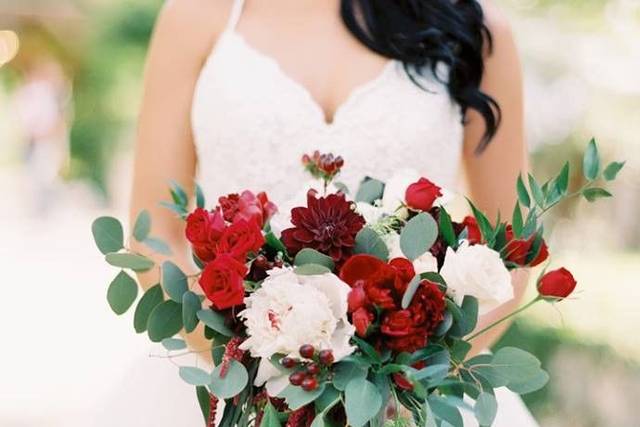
(507, 317)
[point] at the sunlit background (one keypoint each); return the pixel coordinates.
(69, 92)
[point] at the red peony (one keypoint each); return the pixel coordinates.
(473, 231)
(557, 284)
(422, 194)
(517, 250)
(248, 206)
(239, 239)
(328, 224)
(222, 281)
(204, 229)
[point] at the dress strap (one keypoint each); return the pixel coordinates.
(234, 16)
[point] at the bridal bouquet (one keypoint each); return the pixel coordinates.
(361, 311)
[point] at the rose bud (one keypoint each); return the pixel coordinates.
(297, 378)
(422, 194)
(402, 382)
(362, 319)
(473, 231)
(307, 351)
(557, 284)
(357, 298)
(309, 384)
(326, 357)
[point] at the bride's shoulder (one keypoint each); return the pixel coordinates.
(193, 24)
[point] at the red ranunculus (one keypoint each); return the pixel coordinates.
(422, 194)
(557, 284)
(398, 324)
(360, 267)
(240, 238)
(428, 306)
(204, 229)
(362, 319)
(248, 206)
(357, 297)
(473, 231)
(222, 281)
(404, 273)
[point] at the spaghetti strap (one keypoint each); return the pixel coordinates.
(234, 16)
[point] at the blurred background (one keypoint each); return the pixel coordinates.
(69, 91)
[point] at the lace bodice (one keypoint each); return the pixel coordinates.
(252, 123)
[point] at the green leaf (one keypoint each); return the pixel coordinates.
(530, 384)
(217, 354)
(142, 227)
(412, 288)
(178, 194)
(517, 221)
(194, 376)
(232, 384)
(151, 298)
(174, 281)
(470, 312)
(485, 409)
(108, 234)
(173, 344)
(345, 372)
(591, 161)
(514, 365)
(200, 201)
(131, 261)
(432, 373)
(369, 242)
(446, 228)
(122, 293)
(190, 307)
(368, 350)
(328, 399)
(204, 400)
(157, 245)
(460, 349)
(270, 416)
(311, 256)
(483, 223)
(362, 402)
(275, 243)
(536, 191)
(523, 194)
(562, 181)
(179, 210)
(215, 321)
(296, 397)
(165, 321)
(370, 190)
(418, 235)
(612, 170)
(443, 410)
(311, 270)
(593, 194)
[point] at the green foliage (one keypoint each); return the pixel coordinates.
(165, 321)
(173, 344)
(135, 262)
(344, 372)
(370, 190)
(214, 321)
(591, 162)
(235, 380)
(194, 376)
(296, 397)
(418, 235)
(142, 226)
(369, 242)
(122, 293)
(108, 234)
(174, 281)
(311, 256)
(446, 228)
(151, 298)
(485, 409)
(270, 416)
(157, 245)
(611, 171)
(204, 401)
(362, 401)
(412, 288)
(311, 270)
(190, 307)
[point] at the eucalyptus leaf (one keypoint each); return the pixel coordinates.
(157, 245)
(311, 270)
(142, 226)
(151, 298)
(215, 321)
(133, 262)
(194, 376)
(174, 281)
(344, 372)
(108, 234)
(530, 384)
(514, 365)
(591, 161)
(412, 288)
(370, 190)
(173, 344)
(311, 256)
(296, 397)
(418, 236)
(612, 170)
(190, 306)
(485, 409)
(444, 411)
(122, 293)
(270, 416)
(362, 402)
(234, 381)
(369, 242)
(165, 321)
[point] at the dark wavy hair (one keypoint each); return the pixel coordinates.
(424, 33)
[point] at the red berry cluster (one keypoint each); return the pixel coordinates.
(325, 166)
(308, 371)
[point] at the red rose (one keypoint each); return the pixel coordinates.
(517, 250)
(473, 231)
(240, 238)
(223, 282)
(398, 324)
(203, 231)
(427, 306)
(404, 273)
(249, 207)
(362, 319)
(557, 284)
(422, 194)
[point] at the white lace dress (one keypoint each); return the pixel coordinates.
(252, 123)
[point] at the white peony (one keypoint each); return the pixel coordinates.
(291, 310)
(477, 271)
(424, 264)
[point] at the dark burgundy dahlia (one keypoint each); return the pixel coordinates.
(328, 224)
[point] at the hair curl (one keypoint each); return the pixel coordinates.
(424, 33)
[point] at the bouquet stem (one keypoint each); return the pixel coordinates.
(507, 317)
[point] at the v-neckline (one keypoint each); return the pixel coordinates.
(328, 120)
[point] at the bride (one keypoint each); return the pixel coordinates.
(237, 90)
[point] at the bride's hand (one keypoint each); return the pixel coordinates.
(519, 279)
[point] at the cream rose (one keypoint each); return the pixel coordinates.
(477, 270)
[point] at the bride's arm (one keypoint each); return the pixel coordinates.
(492, 175)
(184, 34)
